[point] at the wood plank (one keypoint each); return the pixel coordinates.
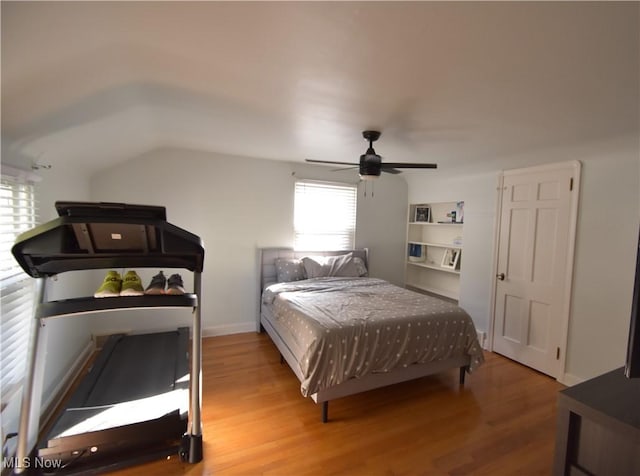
(256, 421)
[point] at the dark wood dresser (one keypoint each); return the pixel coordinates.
(599, 427)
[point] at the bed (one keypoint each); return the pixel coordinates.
(343, 332)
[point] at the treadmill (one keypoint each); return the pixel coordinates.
(141, 399)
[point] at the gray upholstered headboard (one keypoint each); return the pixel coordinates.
(268, 257)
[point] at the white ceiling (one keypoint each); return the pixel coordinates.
(462, 84)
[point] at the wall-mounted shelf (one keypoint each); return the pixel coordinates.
(434, 247)
(433, 266)
(434, 224)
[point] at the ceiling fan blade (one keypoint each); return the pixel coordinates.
(329, 162)
(344, 168)
(405, 165)
(391, 171)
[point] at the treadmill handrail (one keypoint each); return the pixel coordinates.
(51, 248)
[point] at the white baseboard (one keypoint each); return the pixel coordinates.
(482, 339)
(226, 329)
(570, 380)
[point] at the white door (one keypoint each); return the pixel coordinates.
(535, 260)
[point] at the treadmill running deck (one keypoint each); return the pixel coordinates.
(136, 394)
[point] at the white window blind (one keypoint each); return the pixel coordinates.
(324, 216)
(17, 215)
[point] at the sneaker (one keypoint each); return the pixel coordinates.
(110, 286)
(132, 285)
(175, 285)
(156, 286)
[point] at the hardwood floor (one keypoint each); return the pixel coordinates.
(256, 421)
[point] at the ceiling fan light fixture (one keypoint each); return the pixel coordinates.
(368, 178)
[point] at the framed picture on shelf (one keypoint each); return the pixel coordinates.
(459, 212)
(423, 214)
(450, 258)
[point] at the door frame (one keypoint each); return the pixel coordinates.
(568, 290)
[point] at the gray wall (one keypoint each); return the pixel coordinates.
(237, 205)
(606, 240)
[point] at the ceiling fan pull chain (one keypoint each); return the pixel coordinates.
(365, 185)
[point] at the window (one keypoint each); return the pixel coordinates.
(17, 215)
(324, 216)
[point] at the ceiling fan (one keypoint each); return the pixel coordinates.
(371, 164)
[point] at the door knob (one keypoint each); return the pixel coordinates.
(500, 276)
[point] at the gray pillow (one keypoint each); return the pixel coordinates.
(360, 267)
(314, 266)
(325, 266)
(288, 269)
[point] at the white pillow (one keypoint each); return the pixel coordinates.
(325, 266)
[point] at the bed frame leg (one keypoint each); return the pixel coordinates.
(325, 411)
(463, 371)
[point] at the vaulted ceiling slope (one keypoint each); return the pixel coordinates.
(91, 84)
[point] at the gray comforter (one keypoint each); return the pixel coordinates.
(342, 328)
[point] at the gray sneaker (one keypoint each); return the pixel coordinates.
(175, 285)
(156, 286)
